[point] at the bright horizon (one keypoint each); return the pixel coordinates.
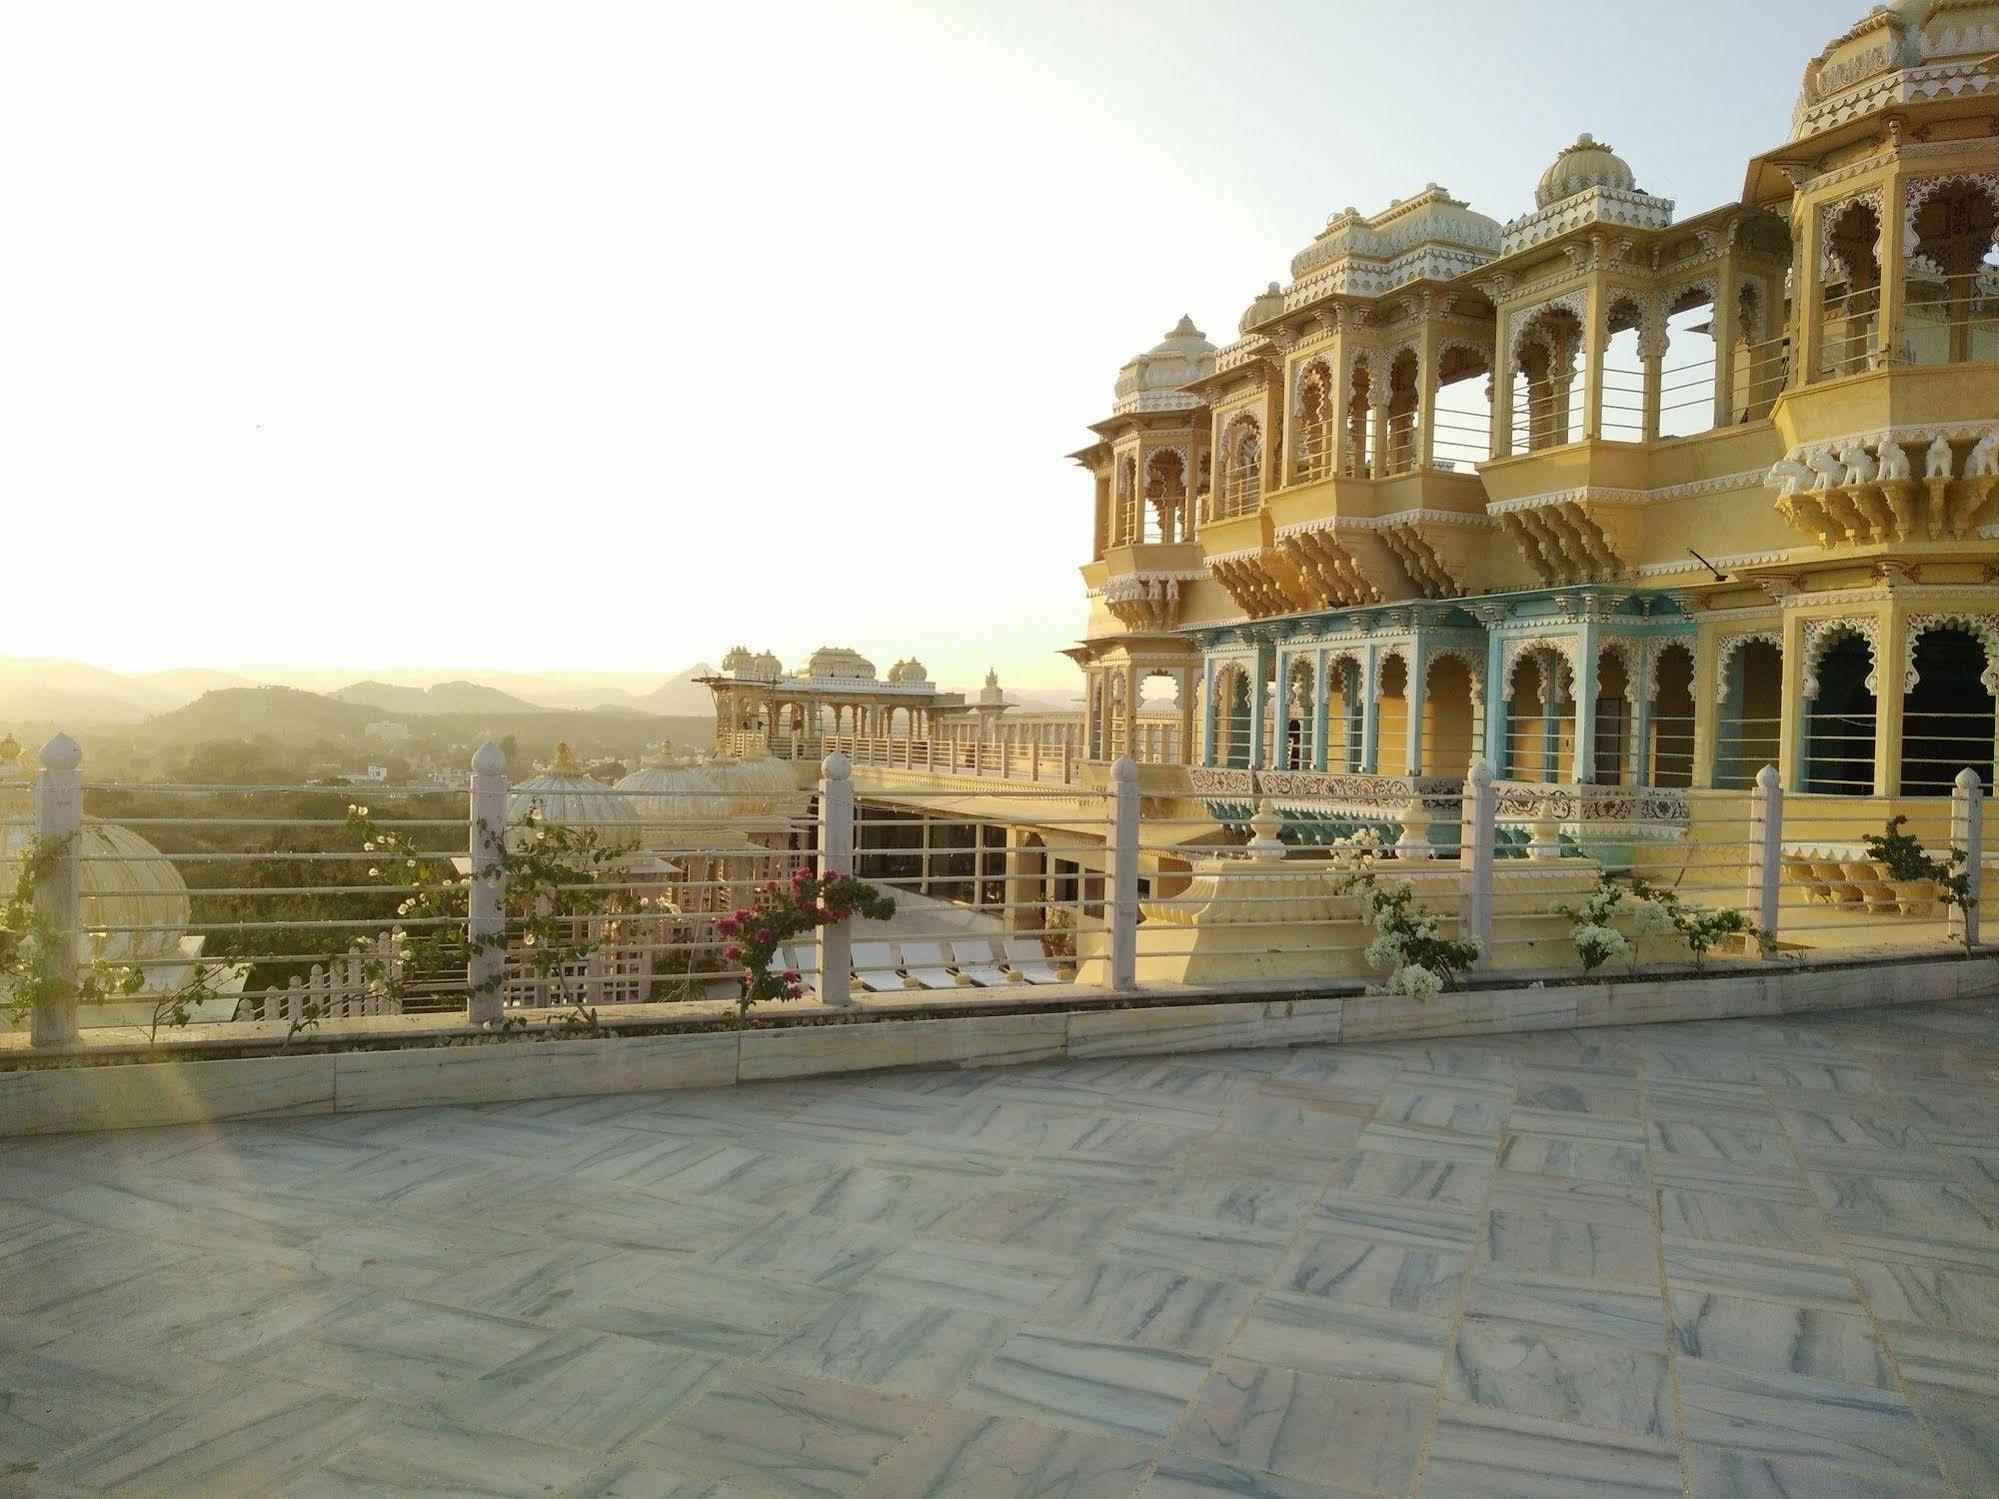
(593, 342)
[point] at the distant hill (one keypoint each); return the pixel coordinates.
(444, 697)
(682, 696)
(284, 714)
(184, 684)
(46, 690)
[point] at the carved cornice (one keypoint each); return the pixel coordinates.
(1605, 496)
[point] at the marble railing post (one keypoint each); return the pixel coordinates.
(836, 857)
(59, 894)
(1123, 848)
(486, 918)
(1477, 834)
(1967, 836)
(1766, 852)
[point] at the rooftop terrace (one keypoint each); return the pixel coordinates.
(1729, 1258)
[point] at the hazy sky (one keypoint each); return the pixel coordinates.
(605, 336)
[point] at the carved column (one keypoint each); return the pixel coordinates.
(1258, 714)
(1322, 710)
(1377, 412)
(1727, 323)
(1583, 768)
(1894, 270)
(1502, 386)
(1594, 341)
(1889, 699)
(1426, 394)
(1370, 713)
(1414, 695)
(1652, 355)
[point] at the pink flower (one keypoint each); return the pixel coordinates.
(770, 887)
(795, 991)
(790, 975)
(733, 954)
(728, 926)
(764, 936)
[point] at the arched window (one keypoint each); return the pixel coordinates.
(1404, 447)
(1850, 294)
(1299, 707)
(1839, 719)
(1672, 751)
(1947, 718)
(1952, 315)
(1449, 738)
(1623, 345)
(1614, 691)
(1687, 374)
(1315, 424)
(1165, 495)
(1242, 466)
(1463, 422)
(1540, 722)
(1232, 717)
(1360, 439)
(1547, 357)
(1750, 714)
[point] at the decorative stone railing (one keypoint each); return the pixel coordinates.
(1347, 793)
(1639, 811)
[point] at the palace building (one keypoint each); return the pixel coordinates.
(1610, 496)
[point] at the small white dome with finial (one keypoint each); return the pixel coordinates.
(1587, 164)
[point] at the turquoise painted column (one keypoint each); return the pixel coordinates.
(1415, 693)
(1584, 767)
(1322, 718)
(1370, 712)
(1210, 707)
(1551, 716)
(1498, 704)
(1641, 734)
(1257, 714)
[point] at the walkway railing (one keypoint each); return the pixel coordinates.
(281, 906)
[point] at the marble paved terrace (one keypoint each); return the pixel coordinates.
(1739, 1258)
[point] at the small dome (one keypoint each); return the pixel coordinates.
(736, 660)
(126, 882)
(910, 672)
(1181, 357)
(672, 795)
(758, 788)
(1587, 164)
(1263, 309)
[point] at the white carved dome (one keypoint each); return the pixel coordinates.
(1263, 308)
(758, 787)
(126, 882)
(565, 793)
(838, 663)
(1587, 164)
(667, 795)
(1181, 357)
(1889, 38)
(911, 672)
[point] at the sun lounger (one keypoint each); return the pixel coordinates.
(1025, 957)
(978, 963)
(927, 966)
(875, 966)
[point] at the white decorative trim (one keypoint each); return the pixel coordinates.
(1910, 439)
(1728, 646)
(1247, 554)
(1831, 213)
(1626, 207)
(1575, 303)
(1920, 190)
(1565, 646)
(1655, 649)
(1984, 628)
(1688, 565)
(1474, 660)
(1754, 478)
(1630, 650)
(1470, 520)
(1821, 633)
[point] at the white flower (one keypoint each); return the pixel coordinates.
(363, 811)
(374, 874)
(1650, 919)
(1384, 951)
(1416, 981)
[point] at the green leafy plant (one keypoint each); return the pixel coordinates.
(1408, 943)
(561, 908)
(1596, 935)
(1701, 928)
(784, 910)
(1908, 862)
(32, 948)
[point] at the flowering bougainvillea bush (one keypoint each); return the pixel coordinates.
(1596, 934)
(788, 909)
(1407, 942)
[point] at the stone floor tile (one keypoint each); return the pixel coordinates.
(1549, 1090)
(1772, 1338)
(1718, 1474)
(1206, 1246)
(963, 1453)
(1966, 1431)
(1632, 1313)
(398, 1349)
(1062, 1379)
(1408, 1178)
(637, 1480)
(808, 1249)
(1307, 1425)
(1791, 1417)
(1524, 1369)
(1470, 1107)
(690, 1307)
(1297, 1126)
(1427, 1141)
(1032, 1220)
(1350, 1341)
(1231, 1197)
(1565, 1246)
(1765, 1274)
(1148, 1305)
(1487, 1454)
(1936, 1295)
(912, 1348)
(1607, 1129)
(1084, 1176)
(1765, 1220)
(417, 1454)
(581, 1388)
(45, 1260)
(906, 1201)
(1608, 1203)
(1365, 1272)
(63, 1392)
(993, 1278)
(1178, 1477)
(1566, 1156)
(246, 1434)
(1960, 1363)
(772, 1432)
